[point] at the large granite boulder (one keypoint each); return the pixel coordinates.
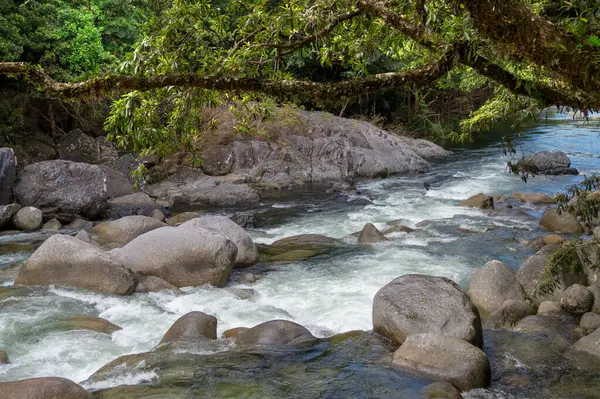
(181, 256)
(28, 219)
(8, 172)
(442, 357)
(66, 187)
(43, 388)
(492, 285)
(547, 163)
(79, 147)
(66, 260)
(417, 304)
(247, 255)
(193, 326)
(564, 222)
(275, 332)
(117, 233)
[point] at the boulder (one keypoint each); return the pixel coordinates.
(560, 223)
(442, 357)
(65, 187)
(66, 260)
(589, 344)
(417, 304)
(510, 313)
(590, 321)
(480, 200)
(547, 163)
(492, 285)
(550, 308)
(533, 198)
(7, 212)
(28, 219)
(577, 299)
(154, 284)
(43, 388)
(247, 255)
(4, 358)
(193, 326)
(557, 328)
(79, 147)
(181, 256)
(52, 224)
(370, 235)
(275, 332)
(8, 172)
(117, 233)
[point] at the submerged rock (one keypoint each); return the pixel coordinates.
(8, 171)
(480, 200)
(181, 256)
(417, 304)
(561, 223)
(275, 332)
(117, 233)
(444, 357)
(577, 299)
(370, 235)
(247, 255)
(66, 260)
(43, 388)
(193, 326)
(28, 219)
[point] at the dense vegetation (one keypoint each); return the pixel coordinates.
(353, 56)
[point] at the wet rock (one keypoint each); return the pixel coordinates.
(510, 313)
(193, 326)
(8, 171)
(43, 388)
(117, 233)
(589, 344)
(247, 255)
(158, 215)
(80, 224)
(275, 332)
(370, 235)
(547, 163)
(577, 299)
(154, 284)
(444, 357)
(492, 285)
(550, 308)
(480, 200)
(28, 219)
(131, 204)
(553, 239)
(590, 321)
(181, 256)
(417, 304)
(65, 187)
(533, 198)
(4, 358)
(66, 260)
(557, 328)
(563, 223)
(7, 212)
(84, 236)
(79, 147)
(441, 390)
(233, 332)
(52, 224)
(183, 217)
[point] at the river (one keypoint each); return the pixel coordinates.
(329, 294)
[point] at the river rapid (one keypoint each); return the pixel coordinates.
(330, 294)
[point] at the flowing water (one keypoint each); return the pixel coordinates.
(329, 294)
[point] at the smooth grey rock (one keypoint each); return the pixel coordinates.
(193, 326)
(491, 285)
(43, 388)
(563, 223)
(590, 321)
(66, 260)
(28, 219)
(117, 233)
(181, 256)
(577, 299)
(442, 357)
(417, 304)
(275, 332)
(247, 254)
(547, 163)
(52, 224)
(8, 172)
(370, 235)
(7, 212)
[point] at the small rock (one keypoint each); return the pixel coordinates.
(553, 239)
(4, 358)
(275, 332)
(7, 212)
(480, 200)
(561, 223)
(158, 215)
(370, 235)
(590, 321)
(446, 358)
(233, 332)
(550, 308)
(52, 224)
(194, 326)
(577, 299)
(80, 224)
(28, 219)
(43, 388)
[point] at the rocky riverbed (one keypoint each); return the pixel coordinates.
(378, 292)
